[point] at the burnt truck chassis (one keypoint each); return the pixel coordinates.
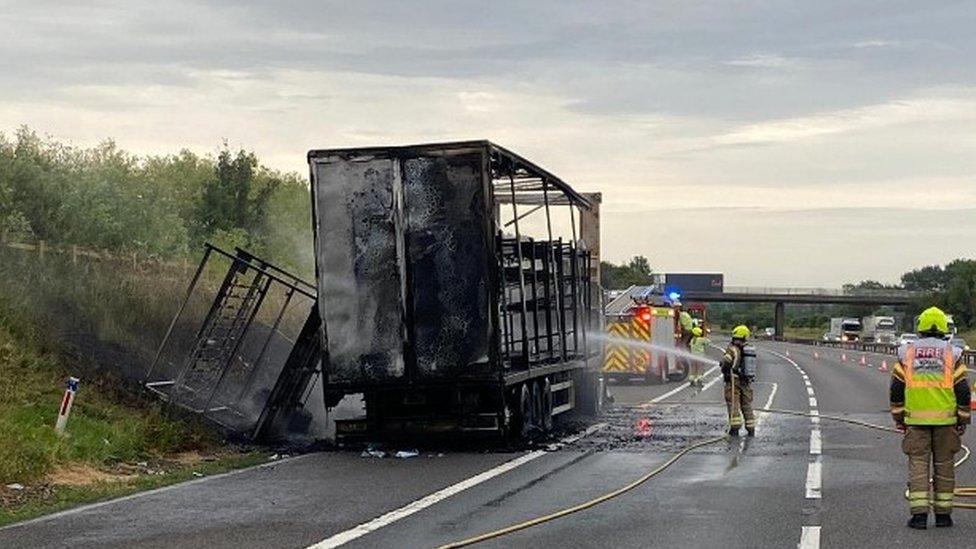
(506, 350)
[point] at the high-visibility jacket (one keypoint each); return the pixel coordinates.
(698, 345)
(930, 379)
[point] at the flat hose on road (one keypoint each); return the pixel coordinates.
(586, 505)
(963, 491)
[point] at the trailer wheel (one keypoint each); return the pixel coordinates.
(545, 418)
(537, 405)
(526, 412)
(681, 372)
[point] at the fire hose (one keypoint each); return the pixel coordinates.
(961, 491)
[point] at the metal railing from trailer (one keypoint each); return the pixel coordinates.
(240, 350)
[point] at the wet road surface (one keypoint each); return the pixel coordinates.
(827, 484)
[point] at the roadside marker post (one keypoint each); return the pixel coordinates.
(66, 401)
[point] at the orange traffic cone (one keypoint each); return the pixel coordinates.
(843, 357)
(864, 360)
(816, 355)
(884, 366)
(787, 352)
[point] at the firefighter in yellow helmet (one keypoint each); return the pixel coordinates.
(930, 404)
(738, 372)
(698, 344)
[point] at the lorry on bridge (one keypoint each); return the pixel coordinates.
(878, 329)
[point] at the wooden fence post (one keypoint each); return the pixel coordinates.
(40, 248)
(134, 264)
(74, 254)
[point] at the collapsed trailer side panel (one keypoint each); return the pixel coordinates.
(360, 283)
(448, 245)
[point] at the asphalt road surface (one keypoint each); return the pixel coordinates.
(800, 482)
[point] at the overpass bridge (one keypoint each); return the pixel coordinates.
(781, 296)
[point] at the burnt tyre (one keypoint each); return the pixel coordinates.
(526, 416)
(680, 373)
(545, 415)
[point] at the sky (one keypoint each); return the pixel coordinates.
(783, 143)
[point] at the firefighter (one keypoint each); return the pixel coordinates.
(739, 372)
(698, 344)
(930, 404)
(686, 325)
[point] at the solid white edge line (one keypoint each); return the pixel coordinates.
(680, 388)
(814, 479)
(361, 530)
(809, 538)
(137, 495)
(769, 404)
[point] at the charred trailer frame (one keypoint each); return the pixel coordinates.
(444, 318)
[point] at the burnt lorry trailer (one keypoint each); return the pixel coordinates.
(448, 297)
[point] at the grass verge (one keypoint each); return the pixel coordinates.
(115, 445)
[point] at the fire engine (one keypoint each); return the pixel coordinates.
(642, 328)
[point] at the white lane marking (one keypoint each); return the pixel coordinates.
(680, 388)
(769, 404)
(397, 514)
(816, 443)
(814, 479)
(810, 535)
(810, 538)
(130, 497)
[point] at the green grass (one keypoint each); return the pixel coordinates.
(67, 497)
(108, 429)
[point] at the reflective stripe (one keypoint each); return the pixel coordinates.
(944, 496)
(930, 414)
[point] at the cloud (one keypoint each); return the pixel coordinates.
(763, 61)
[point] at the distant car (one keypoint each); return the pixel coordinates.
(959, 342)
(906, 338)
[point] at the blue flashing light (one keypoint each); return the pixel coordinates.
(674, 296)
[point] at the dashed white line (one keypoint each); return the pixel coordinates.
(809, 538)
(816, 443)
(810, 535)
(814, 479)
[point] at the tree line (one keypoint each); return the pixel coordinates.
(160, 206)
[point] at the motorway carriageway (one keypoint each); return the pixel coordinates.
(800, 482)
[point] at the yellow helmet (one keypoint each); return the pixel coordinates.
(740, 332)
(697, 332)
(933, 320)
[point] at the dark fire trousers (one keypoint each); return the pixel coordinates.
(739, 404)
(931, 454)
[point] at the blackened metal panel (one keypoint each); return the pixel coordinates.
(357, 205)
(448, 250)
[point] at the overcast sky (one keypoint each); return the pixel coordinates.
(803, 143)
